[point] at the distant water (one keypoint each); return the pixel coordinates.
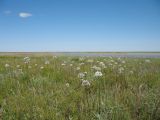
(129, 55)
(91, 54)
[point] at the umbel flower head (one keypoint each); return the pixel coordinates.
(6, 65)
(81, 75)
(98, 74)
(67, 84)
(26, 60)
(85, 83)
(96, 68)
(41, 67)
(47, 62)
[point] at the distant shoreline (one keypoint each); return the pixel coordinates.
(89, 54)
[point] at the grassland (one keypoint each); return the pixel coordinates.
(70, 88)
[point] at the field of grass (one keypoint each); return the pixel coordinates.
(79, 88)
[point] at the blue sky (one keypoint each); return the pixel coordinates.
(79, 25)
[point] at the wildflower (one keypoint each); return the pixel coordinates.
(47, 62)
(98, 74)
(110, 57)
(35, 64)
(78, 68)
(85, 83)
(41, 67)
(85, 73)
(120, 70)
(81, 64)
(112, 61)
(98, 61)
(63, 64)
(123, 62)
(29, 67)
(119, 58)
(18, 66)
(110, 64)
(54, 56)
(6, 65)
(26, 60)
(90, 61)
(81, 59)
(102, 64)
(20, 71)
(81, 75)
(96, 68)
(67, 84)
(71, 65)
(131, 72)
(147, 61)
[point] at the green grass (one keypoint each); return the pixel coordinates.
(127, 90)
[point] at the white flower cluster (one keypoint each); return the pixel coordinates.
(67, 84)
(102, 64)
(26, 60)
(147, 61)
(121, 70)
(81, 75)
(47, 62)
(85, 83)
(6, 65)
(90, 60)
(98, 74)
(96, 68)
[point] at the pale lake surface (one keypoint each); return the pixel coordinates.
(89, 54)
(129, 55)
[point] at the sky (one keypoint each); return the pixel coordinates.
(79, 25)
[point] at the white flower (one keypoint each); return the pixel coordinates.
(120, 70)
(47, 62)
(63, 64)
(20, 70)
(78, 68)
(81, 64)
(81, 75)
(35, 64)
(123, 62)
(102, 64)
(81, 59)
(110, 57)
(131, 72)
(26, 60)
(85, 83)
(119, 58)
(98, 61)
(29, 67)
(85, 72)
(41, 67)
(112, 61)
(98, 74)
(147, 61)
(96, 68)
(18, 66)
(110, 64)
(71, 65)
(54, 56)
(6, 65)
(90, 61)
(67, 84)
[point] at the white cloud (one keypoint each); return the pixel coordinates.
(25, 14)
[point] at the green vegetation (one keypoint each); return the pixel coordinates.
(70, 88)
